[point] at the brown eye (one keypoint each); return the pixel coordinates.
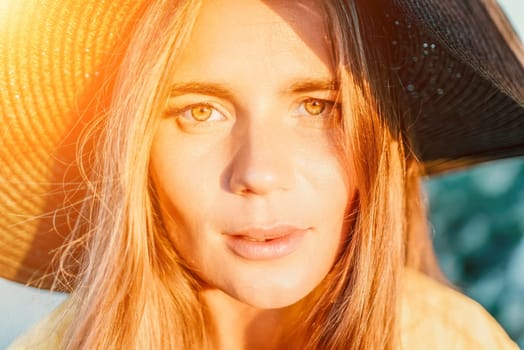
(314, 107)
(201, 113)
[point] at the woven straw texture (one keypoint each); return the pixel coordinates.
(53, 57)
(458, 68)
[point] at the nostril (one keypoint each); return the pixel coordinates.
(260, 173)
(247, 179)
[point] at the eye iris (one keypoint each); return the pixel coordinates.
(315, 107)
(201, 113)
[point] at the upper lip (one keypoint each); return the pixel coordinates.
(263, 234)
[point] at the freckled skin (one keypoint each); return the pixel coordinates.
(258, 156)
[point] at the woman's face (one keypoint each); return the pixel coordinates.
(250, 185)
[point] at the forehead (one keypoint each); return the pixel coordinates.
(280, 37)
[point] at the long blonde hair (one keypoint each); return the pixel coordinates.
(132, 291)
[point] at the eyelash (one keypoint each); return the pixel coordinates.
(326, 112)
(301, 111)
(183, 114)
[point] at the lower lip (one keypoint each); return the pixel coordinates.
(266, 250)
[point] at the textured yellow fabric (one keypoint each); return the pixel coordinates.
(46, 334)
(434, 317)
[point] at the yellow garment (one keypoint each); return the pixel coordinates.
(46, 334)
(434, 317)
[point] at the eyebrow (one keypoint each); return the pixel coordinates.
(225, 92)
(308, 85)
(212, 89)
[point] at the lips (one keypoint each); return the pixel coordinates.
(265, 244)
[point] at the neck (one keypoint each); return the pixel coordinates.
(234, 325)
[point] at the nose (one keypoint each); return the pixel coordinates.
(262, 162)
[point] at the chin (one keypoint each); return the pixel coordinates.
(273, 296)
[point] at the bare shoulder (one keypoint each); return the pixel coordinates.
(435, 316)
(46, 334)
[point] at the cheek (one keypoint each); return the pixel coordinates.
(173, 181)
(334, 182)
(334, 192)
(337, 193)
(186, 171)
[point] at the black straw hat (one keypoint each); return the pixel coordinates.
(457, 65)
(459, 68)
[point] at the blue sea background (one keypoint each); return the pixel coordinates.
(478, 225)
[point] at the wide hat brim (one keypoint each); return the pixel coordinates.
(458, 67)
